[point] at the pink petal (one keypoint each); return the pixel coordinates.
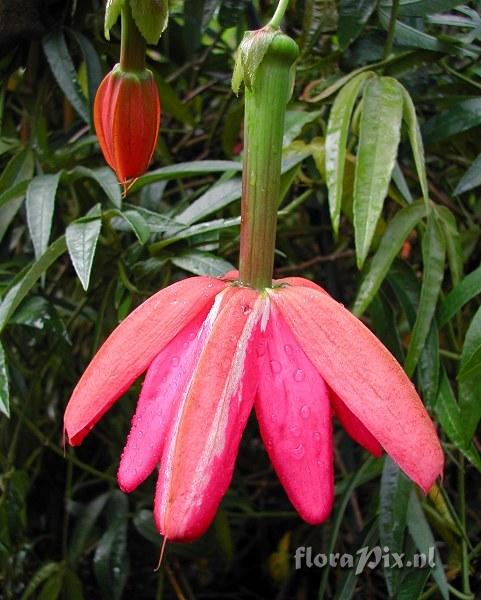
(366, 377)
(199, 456)
(354, 428)
(131, 347)
(294, 414)
(159, 400)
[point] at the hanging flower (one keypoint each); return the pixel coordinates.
(212, 349)
(127, 120)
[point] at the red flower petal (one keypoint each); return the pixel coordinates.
(294, 414)
(159, 399)
(354, 428)
(131, 348)
(199, 456)
(366, 377)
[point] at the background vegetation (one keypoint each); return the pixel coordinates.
(75, 258)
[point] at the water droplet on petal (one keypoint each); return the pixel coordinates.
(276, 366)
(296, 431)
(298, 452)
(174, 361)
(288, 349)
(191, 336)
(246, 310)
(317, 436)
(305, 412)
(299, 375)
(269, 443)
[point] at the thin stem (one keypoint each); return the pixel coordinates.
(462, 516)
(392, 27)
(276, 20)
(132, 44)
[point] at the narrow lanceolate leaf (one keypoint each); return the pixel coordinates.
(4, 387)
(380, 131)
(416, 141)
(82, 236)
(396, 233)
(336, 141)
(434, 251)
(106, 179)
(40, 206)
(422, 535)
(18, 292)
(63, 69)
(465, 291)
(453, 242)
(393, 502)
(450, 419)
(202, 263)
(471, 179)
(469, 377)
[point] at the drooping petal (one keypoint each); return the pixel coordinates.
(199, 456)
(131, 347)
(366, 377)
(164, 384)
(354, 428)
(294, 413)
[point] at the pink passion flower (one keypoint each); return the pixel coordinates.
(212, 350)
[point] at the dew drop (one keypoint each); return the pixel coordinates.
(288, 349)
(174, 361)
(276, 366)
(246, 310)
(317, 436)
(191, 336)
(296, 431)
(305, 412)
(269, 443)
(299, 375)
(298, 452)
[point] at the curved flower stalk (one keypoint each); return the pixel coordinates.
(212, 349)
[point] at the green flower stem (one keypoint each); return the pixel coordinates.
(265, 109)
(132, 44)
(279, 14)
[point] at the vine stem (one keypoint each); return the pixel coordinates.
(276, 20)
(392, 28)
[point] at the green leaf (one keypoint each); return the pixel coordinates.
(395, 235)
(43, 573)
(151, 17)
(353, 16)
(187, 169)
(452, 422)
(30, 276)
(18, 169)
(463, 116)
(63, 69)
(471, 179)
(336, 141)
(453, 242)
(84, 527)
(420, 8)
(111, 560)
(465, 291)
(216, 197)
(413, 584)
(40, 206)
(92, 63)
(416, 141)
(112, 13)
(106, 179)
(138, 224)
(393, 502)
(295, 120)
(434, 251)
(16, 191)
(469, 369)
(231, 11)
(172, 105)
(81, 237)
(422, 535)
(4, 386)
(202, 263)
(380, 131)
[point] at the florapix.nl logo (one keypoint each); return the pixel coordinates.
(363, 558)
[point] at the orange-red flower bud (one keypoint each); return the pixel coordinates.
(127, 119)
